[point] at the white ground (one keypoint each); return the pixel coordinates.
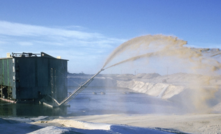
(66, 126)
(120, 124)
(201, 123)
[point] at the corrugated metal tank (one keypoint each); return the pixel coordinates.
(29, 76)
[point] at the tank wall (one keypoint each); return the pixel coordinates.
(6, 74)
(58, 78)
(25, 78)
(42, 73)
(26, 72)
(35, 76)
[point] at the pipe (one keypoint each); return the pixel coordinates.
(76, 92)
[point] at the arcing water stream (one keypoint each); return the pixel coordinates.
(166, 46)
(161, 46)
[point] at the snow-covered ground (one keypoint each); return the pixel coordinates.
(113, 123)
(69, 125)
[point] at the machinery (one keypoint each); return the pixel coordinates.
(31, 77)
(36, 77)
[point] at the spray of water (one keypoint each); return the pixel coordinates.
(147, 42)
(169, 46)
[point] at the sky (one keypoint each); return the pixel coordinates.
(86, 31)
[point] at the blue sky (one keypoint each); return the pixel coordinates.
(86, 31)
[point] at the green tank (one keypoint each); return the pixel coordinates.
(28, 76)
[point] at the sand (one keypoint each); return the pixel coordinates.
(194, 123)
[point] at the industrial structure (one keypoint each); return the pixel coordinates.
(29, 77)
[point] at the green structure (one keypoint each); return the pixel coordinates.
(28, 76)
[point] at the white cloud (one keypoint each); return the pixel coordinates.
(72, 27)
(83, 48)
(25, 43)
(16, 29)
(54, 35)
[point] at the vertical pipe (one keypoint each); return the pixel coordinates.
(36, 90)
(8, 71)
(3, 73)
(49, 78)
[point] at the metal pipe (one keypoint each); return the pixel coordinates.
(78, 90)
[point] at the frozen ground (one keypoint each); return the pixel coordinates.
(67, 126)
(114, 123)
(193, 123)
